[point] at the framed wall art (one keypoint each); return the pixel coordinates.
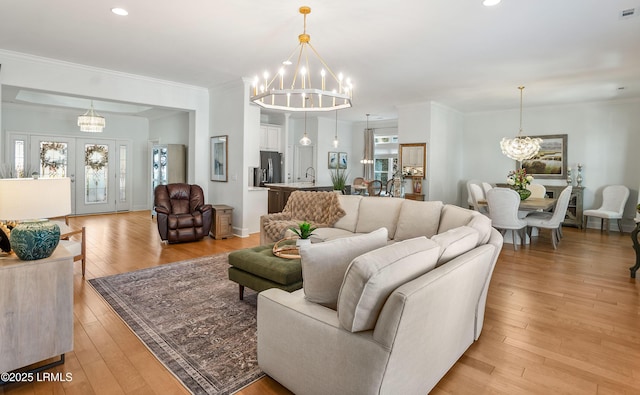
(333, 160)
(551, 160)
(342, 160)
(219, 161)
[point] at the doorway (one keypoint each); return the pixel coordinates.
(303, 160)
(98, 168)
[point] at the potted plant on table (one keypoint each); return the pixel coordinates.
(304, 231)
(339, 180)
(518, 181)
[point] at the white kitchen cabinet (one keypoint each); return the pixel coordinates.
(270, 138)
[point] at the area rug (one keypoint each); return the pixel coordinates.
(189, 315)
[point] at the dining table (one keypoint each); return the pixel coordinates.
(361, 189)
(532, 204)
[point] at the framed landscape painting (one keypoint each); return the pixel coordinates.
(551, 160)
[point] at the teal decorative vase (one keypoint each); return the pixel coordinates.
(524, 193)
(35, 239)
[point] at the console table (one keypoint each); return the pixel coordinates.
(36, 309)
(636, 246)
(574, 209)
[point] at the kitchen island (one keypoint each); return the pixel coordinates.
(279, 193)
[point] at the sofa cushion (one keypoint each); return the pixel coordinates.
(324, 264)
(454, 216)
(350, 204)
(326, 234)
(418, 219)
(373, 276)
(376, 212)
(455, 242)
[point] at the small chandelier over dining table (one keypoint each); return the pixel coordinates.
(520, 148)
(297, 91)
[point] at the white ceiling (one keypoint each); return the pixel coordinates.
(455, 52)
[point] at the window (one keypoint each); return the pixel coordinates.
(385, 157)
(19, 152)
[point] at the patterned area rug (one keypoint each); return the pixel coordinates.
(188, 314)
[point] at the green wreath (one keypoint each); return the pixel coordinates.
(89, 159)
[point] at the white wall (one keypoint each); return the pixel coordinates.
(232, 115)
(603, 136)
(172, 129)
(444, 155)
(73, 79)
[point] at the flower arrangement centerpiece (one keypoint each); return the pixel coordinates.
(518, 181)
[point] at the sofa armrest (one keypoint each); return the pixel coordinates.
(301, 344)
(264, 238)
(205, 207)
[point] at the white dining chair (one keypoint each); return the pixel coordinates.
(553, 221)
(537, 190)
(614, 197)
(475, 194)
(503, 206)
(485, 187)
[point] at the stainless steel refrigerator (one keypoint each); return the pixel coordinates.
(271, 167)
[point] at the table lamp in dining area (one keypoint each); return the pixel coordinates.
(30, 201)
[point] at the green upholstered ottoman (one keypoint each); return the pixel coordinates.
(257, 268)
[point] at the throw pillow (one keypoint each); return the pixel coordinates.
(455, 242)
(372, 277)
(482, 224)
(324, 264)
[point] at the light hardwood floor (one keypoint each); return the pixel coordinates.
(563, 321)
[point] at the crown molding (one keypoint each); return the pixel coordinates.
(22, 57)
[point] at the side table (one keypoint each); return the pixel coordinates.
(37, 309)
(414, 196)
(636, 246)
(221, 226)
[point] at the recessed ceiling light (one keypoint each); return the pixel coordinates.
(120, 11)
(490, 3)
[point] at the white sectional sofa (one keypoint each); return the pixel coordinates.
(391, 299)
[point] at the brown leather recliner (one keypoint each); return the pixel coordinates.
(182, 214)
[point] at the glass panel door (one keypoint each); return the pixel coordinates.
(53, 157)
(99, 169)
(96, 190)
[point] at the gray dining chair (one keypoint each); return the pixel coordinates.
(553, 221)
(503, 206)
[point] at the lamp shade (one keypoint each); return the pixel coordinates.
(28, 198)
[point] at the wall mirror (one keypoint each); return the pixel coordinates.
(413, 159)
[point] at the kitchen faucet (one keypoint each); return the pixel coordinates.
(306, 174)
